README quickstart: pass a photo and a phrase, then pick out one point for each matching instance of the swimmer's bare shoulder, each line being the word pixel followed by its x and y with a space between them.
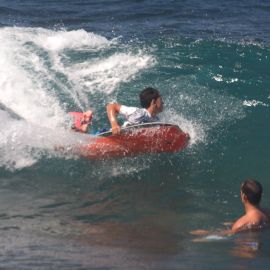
pixel 239 224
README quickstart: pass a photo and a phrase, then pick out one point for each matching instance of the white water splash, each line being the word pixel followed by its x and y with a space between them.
pixel 36 68
pixel 20 89
pixel 39 68
pixel 23 143
pixel 254 103
pixel 218 78
pixel 106 74
pixel 195 130
pixel 78 39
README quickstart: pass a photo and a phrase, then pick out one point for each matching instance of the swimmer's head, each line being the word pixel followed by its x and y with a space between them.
pixel 252 190
pixel 147 95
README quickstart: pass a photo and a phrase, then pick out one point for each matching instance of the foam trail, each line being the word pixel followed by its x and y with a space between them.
pixel 29 82
pixel 40 71
pixel 106 74
pixel 39 65
pixel 254 103
pixel 77 39
pixel 22 143
pixel 21 90
pixel 91 74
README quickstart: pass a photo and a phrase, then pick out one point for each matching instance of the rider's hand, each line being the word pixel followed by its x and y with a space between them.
pixel 116 129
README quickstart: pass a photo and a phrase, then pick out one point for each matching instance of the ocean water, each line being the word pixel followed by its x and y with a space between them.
pixel 210 60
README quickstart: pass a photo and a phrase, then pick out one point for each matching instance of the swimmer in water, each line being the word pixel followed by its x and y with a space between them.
pixel 255 217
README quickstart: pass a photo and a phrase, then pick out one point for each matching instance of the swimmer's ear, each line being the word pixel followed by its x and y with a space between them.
pixel 244 197
pixel 153 102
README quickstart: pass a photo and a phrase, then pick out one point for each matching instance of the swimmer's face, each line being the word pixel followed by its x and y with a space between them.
pixel 159 104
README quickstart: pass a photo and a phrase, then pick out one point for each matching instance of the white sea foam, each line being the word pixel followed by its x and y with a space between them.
pixel 218 78
pixel 232 80
pixel 22 89
pixel 35 67
pixel 23 143
pixel 80 40
pixel 37 71
pixel 106 74
pixel 254 103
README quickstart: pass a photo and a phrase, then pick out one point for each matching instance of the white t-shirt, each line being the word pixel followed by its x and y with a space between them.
pixel 134 115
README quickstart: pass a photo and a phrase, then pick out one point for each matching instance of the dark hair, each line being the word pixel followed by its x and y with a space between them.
pixel 253 190
pixel 147 95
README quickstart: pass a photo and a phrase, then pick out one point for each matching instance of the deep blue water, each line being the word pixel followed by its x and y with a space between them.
pixel 210 61
pixel 145 19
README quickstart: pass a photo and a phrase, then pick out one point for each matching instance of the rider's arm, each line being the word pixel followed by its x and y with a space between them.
pixel 112 110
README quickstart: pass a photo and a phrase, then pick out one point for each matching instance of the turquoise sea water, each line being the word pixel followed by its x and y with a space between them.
pixel 211 63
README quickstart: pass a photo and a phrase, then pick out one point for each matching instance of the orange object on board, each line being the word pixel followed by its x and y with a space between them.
pixel 80 119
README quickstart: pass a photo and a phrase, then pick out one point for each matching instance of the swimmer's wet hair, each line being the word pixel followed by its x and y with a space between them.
pixel 253 190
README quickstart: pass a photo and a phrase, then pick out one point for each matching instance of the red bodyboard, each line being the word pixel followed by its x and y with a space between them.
pixel 136 140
